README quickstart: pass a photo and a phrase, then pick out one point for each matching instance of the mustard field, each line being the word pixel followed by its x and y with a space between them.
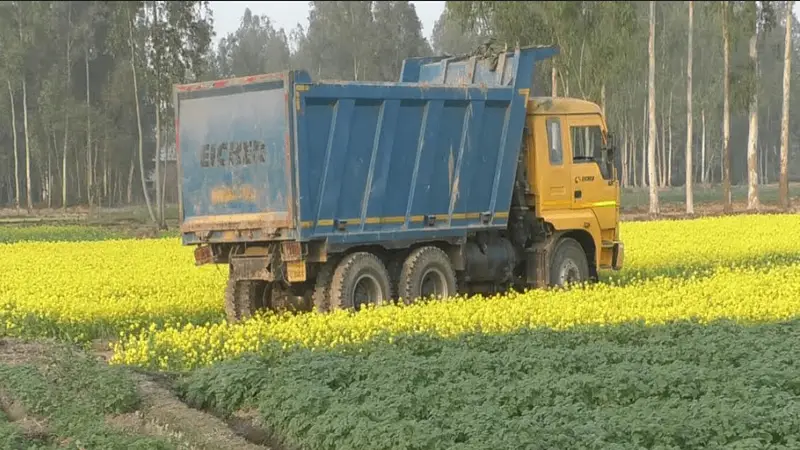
pixel 165 313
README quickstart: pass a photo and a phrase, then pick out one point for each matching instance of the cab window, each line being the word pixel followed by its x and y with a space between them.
pixel 555 149
pixel 587 147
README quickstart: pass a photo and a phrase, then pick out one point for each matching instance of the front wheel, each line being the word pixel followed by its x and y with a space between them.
pixel 569 264
pixel 359 279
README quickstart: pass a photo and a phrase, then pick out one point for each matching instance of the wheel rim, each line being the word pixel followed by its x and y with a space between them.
pixel 433 284
pixel 367 290
pixel 569 273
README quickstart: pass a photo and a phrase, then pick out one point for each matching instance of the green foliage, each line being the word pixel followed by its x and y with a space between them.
pixel 255 48
pixel 683 385
pixel 12 438
pixel 74 393
pixel 359 40
pixel 453 38
pixel 55 233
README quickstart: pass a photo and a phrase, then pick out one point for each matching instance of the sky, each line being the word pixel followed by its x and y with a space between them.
pixel 287 15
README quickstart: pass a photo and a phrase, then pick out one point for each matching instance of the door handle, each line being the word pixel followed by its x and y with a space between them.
pixel 578 194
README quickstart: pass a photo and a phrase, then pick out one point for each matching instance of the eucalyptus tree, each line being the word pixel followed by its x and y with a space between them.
pixel 787 74
pixel 689 118
pixel 651 110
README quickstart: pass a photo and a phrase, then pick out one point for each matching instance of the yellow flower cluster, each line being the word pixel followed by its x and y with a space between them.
pixel 744 268
pixel 168 313
pixel 748 294
pixel 86 290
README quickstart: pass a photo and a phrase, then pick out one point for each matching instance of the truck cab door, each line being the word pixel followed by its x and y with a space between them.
pixel 551 166
pixel 594 183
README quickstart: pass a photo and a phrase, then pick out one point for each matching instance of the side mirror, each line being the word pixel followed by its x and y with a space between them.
pixel 613 156
pixel 611 141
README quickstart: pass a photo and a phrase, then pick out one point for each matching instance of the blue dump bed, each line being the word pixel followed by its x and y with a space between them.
pixel 281 157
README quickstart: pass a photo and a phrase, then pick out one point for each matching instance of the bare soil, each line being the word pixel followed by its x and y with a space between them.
pixel 201 429
pixel 15 351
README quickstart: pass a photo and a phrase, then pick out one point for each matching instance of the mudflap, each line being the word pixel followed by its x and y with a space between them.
pixel 618 256
pixel 204 254
pixel 251 268
pixel 537 266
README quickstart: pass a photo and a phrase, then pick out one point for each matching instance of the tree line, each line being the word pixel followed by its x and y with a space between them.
pixel 695 92
pixel 89 83
pixel 88 96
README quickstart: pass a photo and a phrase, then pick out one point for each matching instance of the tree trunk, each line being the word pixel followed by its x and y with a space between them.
pixel 632 166
pixel 661 151
pixel 603 99
pixel 105 175
pixel 783 184
pixel 668 178
pixel 164 191
pixel 78 177
pixel 89 179
pixel 726 115
pixel 129 193
pixel 49 182
pixel 689 168
pixel 645 144
pixel 651 96
pixel 16 145
pixel 553 81
pixel 139 119
pixel 66 114
pixel 28 197
pixel 752 136
pixel 624 156
pixel 157 158
pixel 105 169
pixel 703 170
pixel 159 198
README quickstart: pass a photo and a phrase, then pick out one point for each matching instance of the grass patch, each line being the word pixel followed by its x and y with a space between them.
pixel 55 233
pixel 682 385
pixel 74 394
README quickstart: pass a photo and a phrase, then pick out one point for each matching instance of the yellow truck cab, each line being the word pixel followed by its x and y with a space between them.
pixel 574 186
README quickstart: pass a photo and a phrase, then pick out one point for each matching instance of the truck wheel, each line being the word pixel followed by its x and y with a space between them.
pixel 569 264
pixel 321 296
pixel 244 297
pixel 427 272
pixel 360 278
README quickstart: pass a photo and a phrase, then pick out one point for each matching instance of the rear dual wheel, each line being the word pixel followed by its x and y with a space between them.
pixel 244 297
pixel 426 273
pixel 359 279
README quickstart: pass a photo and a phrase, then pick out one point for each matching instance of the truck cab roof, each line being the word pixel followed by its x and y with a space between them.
pixel 561 105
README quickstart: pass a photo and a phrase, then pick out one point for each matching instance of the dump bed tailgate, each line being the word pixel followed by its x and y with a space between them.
pixel 234 147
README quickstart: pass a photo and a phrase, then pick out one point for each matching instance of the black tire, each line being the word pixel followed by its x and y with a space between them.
pixel 244 297
pixel 354 269
pixel 321 297
pixel 569 264
pixel 427 272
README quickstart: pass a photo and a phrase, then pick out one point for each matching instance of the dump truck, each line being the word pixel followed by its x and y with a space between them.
pixel 334 195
